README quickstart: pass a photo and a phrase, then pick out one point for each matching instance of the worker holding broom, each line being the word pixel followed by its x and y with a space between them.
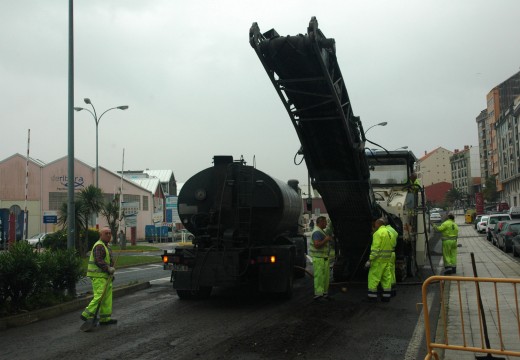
pixel 101 270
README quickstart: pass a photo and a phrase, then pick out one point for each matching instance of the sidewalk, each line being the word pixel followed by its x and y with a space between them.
pixel 490 262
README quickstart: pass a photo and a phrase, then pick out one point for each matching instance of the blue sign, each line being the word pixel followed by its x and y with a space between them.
pixel 50 219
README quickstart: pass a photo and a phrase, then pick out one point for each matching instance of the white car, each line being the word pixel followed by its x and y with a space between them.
pixel 482 224
pixel 435 217
pixel 183 234
pixel 37 240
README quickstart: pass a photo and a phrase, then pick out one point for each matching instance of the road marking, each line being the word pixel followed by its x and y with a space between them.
pixel 419 333
pixel 134 269
pixel 161 280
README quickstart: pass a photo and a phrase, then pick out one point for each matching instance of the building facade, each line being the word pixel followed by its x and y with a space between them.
pixel 499 100
pixel 465 171
pixel 434 167
pixel 508 145
pixel 47 186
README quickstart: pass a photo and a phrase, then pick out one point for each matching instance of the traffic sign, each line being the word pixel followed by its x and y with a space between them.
pixel 50 217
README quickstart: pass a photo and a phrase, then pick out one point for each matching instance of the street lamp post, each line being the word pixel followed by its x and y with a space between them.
pixel 97 119
pixel 384 123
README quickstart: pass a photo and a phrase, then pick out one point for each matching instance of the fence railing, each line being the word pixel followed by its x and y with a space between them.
pixel 464 325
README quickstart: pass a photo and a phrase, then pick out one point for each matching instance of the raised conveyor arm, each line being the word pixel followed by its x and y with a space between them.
pixel 305 73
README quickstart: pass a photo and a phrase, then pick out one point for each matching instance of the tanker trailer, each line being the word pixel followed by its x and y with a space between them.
pixel 246 231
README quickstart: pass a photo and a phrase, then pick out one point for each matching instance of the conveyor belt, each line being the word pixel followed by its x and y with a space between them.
pixel 305 73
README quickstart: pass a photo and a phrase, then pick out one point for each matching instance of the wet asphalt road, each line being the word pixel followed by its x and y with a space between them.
pixel 232 324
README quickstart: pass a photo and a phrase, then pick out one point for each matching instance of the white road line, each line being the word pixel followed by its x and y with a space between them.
pixel 134 269
pixel 160 280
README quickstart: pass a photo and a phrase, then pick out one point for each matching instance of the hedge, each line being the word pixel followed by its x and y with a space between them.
pixel 31 280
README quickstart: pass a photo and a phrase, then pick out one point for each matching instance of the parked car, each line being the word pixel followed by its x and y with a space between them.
pixel 477 220
pixel 516 245
pixel 505 237
pixel 435 217
pixel 493 219
pixel 482 224
pixel 37 240
pixel 183 234
pixel 495 232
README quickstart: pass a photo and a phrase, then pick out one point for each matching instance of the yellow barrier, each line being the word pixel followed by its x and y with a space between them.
pixel 463 312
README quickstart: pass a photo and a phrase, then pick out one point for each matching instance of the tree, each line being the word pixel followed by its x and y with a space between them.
pixel 453 196
pixel 89 201
pixel 80 220
pixel 490 189
pixel 110 212
pixel 92 199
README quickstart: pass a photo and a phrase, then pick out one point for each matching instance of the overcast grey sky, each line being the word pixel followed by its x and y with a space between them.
pixel 196 88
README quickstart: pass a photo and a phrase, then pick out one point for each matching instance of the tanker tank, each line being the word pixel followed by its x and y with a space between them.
pixel 232 200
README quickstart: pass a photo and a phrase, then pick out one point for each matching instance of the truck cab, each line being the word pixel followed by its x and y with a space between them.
pixel 402 202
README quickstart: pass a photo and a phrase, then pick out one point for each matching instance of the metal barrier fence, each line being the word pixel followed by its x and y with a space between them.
pixel 463 326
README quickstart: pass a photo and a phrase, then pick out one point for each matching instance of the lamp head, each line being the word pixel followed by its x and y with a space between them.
pixel 123 107
pixel 87 100
pixel 384 123
pixel 78 108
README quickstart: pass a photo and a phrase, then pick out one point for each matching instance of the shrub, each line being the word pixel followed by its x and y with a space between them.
pixel 56 240
pixel 93 236
pixel 69 271
pixel 30 280
pixel 20 274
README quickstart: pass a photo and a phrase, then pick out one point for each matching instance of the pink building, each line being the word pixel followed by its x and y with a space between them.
pixel 47 191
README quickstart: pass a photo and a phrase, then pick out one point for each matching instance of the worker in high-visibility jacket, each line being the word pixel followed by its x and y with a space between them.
pixel 450 232
pixel 319 250
pixel 393 237
pixel 100 270
pixel 380 262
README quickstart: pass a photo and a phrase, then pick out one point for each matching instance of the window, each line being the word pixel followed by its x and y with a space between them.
pixel 145 203
pixel 56 199
pixel 131 198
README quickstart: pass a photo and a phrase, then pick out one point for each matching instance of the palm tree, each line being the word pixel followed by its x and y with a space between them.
pixel 92 199
pixel 80 220
pixel 110 212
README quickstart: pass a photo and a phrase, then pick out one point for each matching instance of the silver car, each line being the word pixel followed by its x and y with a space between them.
pixel 37 240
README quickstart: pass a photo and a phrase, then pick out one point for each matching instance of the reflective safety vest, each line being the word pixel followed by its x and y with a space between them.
pixel 449 230
pixel 322 252
pixel 382 245
pixel 393 235
pixel 92 269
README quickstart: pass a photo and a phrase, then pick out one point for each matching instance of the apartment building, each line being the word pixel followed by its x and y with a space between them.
pixel 465 170
pixel 499 100
pixel 434 167
pixel 508 153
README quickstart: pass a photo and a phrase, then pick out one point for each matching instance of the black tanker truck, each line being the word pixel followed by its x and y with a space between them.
pixel 246 227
